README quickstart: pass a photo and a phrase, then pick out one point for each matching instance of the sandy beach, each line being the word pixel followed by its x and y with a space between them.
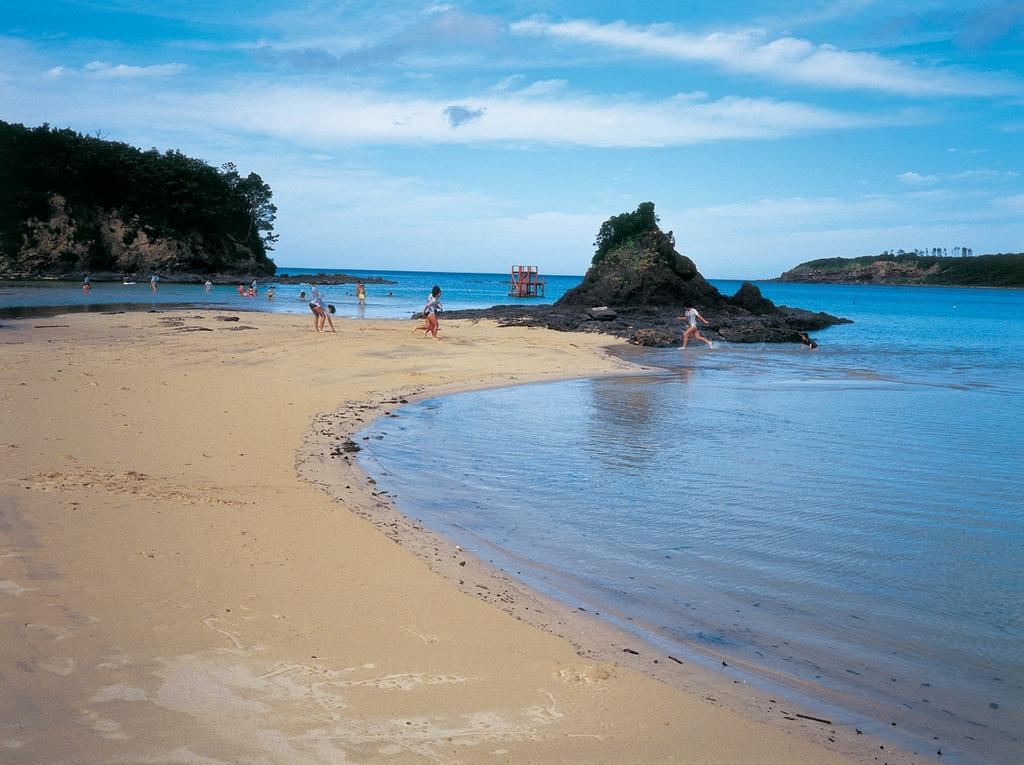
pixel 192 569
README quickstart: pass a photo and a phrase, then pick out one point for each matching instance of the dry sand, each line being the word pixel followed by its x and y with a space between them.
pixel 176 586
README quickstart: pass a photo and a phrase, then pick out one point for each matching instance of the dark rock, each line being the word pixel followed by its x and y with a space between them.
pixel 642 284
pixel 749 297
pixel 654 337
pixel 322 278
pixel 601 313
pixel 646 271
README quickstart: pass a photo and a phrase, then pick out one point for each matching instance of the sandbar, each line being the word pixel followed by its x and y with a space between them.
pixel 193 569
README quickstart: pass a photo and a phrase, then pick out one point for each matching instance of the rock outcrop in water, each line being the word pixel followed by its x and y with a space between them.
pixel 645 284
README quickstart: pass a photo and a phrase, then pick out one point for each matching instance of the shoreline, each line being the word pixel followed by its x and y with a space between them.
pixel 165 568
pixel 757 692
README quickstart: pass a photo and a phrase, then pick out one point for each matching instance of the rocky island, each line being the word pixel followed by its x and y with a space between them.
pixel 1000 270
pixel 637 286
pixel 336 278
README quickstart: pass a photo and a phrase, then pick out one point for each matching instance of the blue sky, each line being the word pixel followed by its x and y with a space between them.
pixel 475 135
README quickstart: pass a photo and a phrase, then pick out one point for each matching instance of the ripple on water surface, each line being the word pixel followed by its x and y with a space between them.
pixel 851 518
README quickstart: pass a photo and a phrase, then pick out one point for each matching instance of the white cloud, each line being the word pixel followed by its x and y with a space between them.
pixel 105 69
pixel 325 116
pixel 983 174
pixel 916 179
pixel 786 59
pixel 979 174
pixel 544 88
pixel 1013 203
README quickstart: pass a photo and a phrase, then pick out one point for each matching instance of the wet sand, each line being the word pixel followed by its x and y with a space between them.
pixel 192 569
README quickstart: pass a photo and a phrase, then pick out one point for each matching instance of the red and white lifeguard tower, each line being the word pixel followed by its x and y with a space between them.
pixel 526 282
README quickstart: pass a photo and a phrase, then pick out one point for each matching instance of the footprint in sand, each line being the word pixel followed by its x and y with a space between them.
pixel 110 729
pixel 7 587
pixel 58 665
pixel 592 677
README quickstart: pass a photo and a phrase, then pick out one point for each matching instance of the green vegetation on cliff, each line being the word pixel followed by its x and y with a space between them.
pixel 1002 270
pixel 71 203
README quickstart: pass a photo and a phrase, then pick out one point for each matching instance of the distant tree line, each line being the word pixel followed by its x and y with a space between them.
pixel 89 204
pixel 935 252
pixel 995 270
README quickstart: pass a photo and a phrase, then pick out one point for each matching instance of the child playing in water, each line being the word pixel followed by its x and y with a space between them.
pixel 430 312
pixel 691 317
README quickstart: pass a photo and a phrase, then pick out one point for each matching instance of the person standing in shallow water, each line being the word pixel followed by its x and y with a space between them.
pixel 691 316
pixel 430 312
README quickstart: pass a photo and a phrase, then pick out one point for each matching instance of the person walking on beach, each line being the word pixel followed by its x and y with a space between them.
pixel 430 312
pixel 152 282
pixel 691 316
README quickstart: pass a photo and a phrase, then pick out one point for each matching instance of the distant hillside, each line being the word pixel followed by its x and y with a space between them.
pixel 975 271
pixel 73 204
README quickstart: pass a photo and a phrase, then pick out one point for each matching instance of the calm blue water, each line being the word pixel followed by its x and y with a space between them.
pixel 398 300
pixel 851 518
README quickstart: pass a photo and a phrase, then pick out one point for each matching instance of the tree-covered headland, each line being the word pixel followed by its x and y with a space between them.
pixel 73 204
pixel 916 267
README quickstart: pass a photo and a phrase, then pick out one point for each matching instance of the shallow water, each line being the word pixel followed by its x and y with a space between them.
pixel 403 297
pixel 851 518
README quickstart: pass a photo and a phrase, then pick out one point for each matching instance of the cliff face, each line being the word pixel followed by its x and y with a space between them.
pixel 70 243
pixel 871 272
pixel 73 204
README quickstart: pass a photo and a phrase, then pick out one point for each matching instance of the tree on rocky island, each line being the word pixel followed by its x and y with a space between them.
pixel 621 229
pixel 636 265
pixel 637 287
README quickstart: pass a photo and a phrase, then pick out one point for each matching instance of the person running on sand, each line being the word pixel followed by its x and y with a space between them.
pixel 430 312
pixel 692 317
pixel 807 342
